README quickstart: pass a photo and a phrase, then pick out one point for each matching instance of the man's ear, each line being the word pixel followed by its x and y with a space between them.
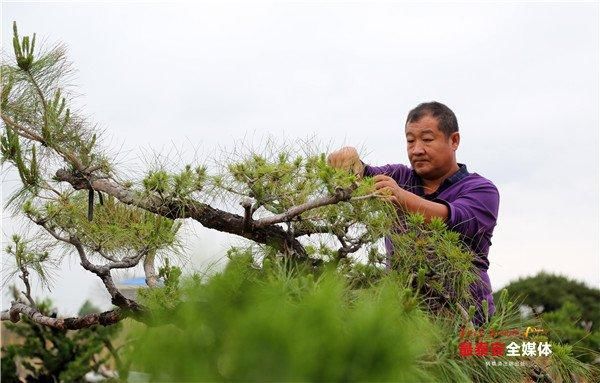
pixel 455 140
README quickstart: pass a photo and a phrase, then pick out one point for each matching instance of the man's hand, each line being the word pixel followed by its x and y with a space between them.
pixel 346 158
pixel 388 189
pixel 407 201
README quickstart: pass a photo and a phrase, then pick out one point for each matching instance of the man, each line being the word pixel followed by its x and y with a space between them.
pixel 437 186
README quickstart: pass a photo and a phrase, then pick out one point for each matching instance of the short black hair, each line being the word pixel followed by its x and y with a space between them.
pixel 447 122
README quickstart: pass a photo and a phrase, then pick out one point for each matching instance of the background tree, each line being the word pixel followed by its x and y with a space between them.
pixel 297 301
pixel 546 292
pixel 569 309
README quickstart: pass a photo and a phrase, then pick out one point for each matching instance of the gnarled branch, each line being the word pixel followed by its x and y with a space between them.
pixel 72 323
pixel 25 277
pixel 102 271
pixel 207 215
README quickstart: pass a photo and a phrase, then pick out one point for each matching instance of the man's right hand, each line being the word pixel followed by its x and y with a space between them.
pixel 346 158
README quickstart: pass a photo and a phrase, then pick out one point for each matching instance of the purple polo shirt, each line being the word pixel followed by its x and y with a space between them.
pixel 472 202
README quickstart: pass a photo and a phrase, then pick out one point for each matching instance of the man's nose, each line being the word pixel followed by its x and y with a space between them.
pixel 417 149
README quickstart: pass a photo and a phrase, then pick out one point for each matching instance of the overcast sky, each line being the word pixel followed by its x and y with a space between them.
pixel 189 80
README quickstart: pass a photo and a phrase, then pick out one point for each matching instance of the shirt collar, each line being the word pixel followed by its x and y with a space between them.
pixel 458 175
pixel 461 173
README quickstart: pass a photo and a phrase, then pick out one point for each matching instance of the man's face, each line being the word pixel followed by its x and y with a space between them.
pixel 430 152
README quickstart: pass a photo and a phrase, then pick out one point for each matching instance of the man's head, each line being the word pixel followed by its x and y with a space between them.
pixel 432 139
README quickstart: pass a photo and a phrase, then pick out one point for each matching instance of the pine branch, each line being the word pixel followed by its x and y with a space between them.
pixel 25 277
pixel 67 156
pixel 349 248
pixel 99 250
pixel 149 271
pixel 172 208
pixel 129 262
pixel 38 90
pixel 315 229
pixel 248 211
pixel 102 271
pixel 339 196
pixel 72 323
pixel 21 130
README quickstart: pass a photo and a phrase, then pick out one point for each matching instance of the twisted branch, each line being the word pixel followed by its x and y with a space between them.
pixel 102 271
pixel 72 323
pixel 172 208
pixel 25 277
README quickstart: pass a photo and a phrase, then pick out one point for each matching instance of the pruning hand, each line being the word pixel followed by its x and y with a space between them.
pixel 346 158
pixel 388 189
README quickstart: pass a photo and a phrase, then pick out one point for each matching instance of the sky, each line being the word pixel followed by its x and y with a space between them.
pixel 188 81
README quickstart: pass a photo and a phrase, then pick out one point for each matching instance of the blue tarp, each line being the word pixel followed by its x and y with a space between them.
pixel 140 281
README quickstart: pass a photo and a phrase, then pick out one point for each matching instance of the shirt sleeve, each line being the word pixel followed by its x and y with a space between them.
pixel 474 211
pixel 398 172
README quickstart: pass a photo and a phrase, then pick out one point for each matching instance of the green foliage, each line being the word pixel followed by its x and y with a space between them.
pixel 23 50
pixel 276 323
pixel 11 147
pixel 116 227
pixel 448 366
pixel 441 267
pixel 28 258
pixel 169 296
pixel 34 103
pixel 363 275
pixel 179 186
pixel 6 88
pixel 284 179
pixel 170 274
pixel 13 152
pixel 264 319
pixel 252 324
pixel 51 355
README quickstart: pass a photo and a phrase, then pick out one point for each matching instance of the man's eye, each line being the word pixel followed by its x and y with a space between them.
pixel 428 139
pixel 410 141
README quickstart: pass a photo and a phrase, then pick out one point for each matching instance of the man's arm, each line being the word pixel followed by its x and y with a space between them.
pixel 347 158
pixel 475 211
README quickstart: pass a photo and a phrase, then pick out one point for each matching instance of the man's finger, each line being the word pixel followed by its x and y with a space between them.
pixel 381 177
pixel 384 190
pixel 384 184
pixel 388 198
